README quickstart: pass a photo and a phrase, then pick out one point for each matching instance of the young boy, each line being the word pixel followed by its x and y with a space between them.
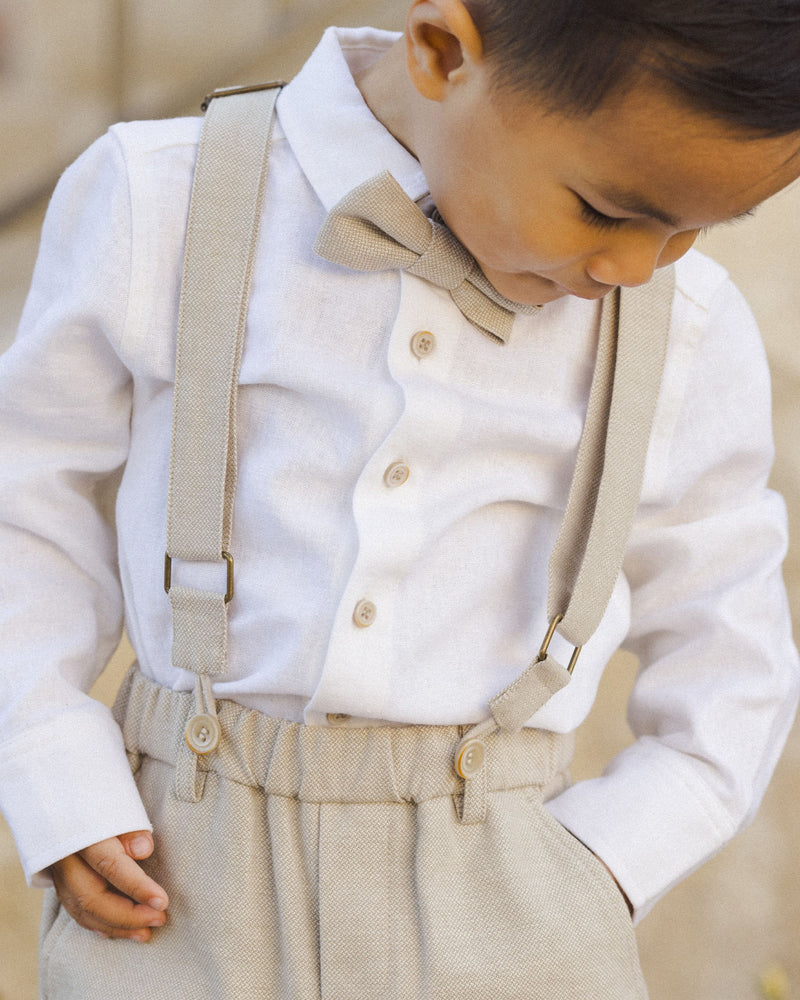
pixel 402 478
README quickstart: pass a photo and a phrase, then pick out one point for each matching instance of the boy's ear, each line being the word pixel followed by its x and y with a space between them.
pixel 442 43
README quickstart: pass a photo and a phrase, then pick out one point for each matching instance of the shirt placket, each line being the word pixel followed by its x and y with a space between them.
pixel 389 509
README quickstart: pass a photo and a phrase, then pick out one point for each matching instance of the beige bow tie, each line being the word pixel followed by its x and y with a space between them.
pixel 378 227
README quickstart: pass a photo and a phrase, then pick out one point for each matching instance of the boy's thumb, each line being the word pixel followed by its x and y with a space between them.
pixel 138 845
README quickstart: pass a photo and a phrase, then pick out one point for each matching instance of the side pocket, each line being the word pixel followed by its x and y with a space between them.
pixel 516 907
pixel 593 912
pixel 586 860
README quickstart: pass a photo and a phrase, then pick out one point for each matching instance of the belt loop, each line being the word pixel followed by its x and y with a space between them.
pixel 473 801
pixel 190 779
pixel 471 764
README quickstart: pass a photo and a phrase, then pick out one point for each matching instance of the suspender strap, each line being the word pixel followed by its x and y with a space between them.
pixel 221 242
pixel 603 498
pixel 610 468
pixel 605 489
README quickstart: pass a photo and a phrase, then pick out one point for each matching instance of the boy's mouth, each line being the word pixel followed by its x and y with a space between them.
pixel 593 290
pixel 596 292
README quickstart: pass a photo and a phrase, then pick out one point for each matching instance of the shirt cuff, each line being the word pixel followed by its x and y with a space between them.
pixel 67 784
pixel 650 818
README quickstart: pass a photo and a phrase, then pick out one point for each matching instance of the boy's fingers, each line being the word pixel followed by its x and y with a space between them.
pixel 109 860
pixel 90 901
pixel 138 845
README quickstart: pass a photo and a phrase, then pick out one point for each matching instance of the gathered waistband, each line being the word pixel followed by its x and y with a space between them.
pixel 330 764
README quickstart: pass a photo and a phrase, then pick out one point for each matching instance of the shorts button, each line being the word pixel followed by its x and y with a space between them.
pixel 396 474
pixel 364 613
pixel 471 758
pixel 337 718
pixel 423 343
pixel 202 733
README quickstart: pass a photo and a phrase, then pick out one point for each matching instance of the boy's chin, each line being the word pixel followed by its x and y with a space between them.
pixel 556 291
pixel 536 289
pixel 526 289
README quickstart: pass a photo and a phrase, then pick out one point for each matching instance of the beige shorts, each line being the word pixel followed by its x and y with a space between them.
pixel 311 863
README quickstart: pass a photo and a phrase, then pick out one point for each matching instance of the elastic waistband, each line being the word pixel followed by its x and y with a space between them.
pixel 327 764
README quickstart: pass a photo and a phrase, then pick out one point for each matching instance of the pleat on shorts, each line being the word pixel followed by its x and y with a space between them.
pixel 331 864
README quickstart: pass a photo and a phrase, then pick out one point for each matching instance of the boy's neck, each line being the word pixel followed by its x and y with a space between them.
pixel 392 98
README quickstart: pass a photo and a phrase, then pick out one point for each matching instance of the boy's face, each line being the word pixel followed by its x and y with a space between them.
pixel 553 205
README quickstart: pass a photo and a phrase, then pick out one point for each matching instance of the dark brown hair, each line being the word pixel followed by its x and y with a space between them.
pixel 737 60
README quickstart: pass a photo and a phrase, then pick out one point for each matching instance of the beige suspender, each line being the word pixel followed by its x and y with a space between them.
pixel 605 492
pixel 221 243
pixel 606 486
pixel 220 252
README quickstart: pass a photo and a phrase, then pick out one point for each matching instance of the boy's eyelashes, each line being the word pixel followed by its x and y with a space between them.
pixel 741 217
pixel 596 218
pixel 600 220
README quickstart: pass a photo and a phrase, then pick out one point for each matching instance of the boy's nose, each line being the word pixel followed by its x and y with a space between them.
pixel 626 264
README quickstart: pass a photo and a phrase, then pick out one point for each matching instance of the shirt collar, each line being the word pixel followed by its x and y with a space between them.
pixel 336 139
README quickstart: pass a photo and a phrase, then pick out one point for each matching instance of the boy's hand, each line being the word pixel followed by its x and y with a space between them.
pixel 105 890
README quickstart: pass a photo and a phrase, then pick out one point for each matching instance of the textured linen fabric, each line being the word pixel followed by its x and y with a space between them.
pixel 377 227
pixel 222 232
pixel 324 862
pixel 454 560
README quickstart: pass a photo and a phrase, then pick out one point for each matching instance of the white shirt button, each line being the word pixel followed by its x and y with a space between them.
pixel 396 474
pixel 364 613
pixel 423 343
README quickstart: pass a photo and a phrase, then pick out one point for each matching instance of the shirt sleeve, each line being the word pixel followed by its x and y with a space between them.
pixel 65 406
pixel 717 688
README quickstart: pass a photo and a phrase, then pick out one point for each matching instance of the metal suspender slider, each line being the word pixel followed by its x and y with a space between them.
pixel 225 555
pixel 551 631
pixel 249 89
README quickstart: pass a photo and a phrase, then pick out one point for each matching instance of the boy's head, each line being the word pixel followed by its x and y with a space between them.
pixel 735 60
pixel 572 147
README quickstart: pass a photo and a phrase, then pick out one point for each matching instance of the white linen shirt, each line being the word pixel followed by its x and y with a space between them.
pixel 453 556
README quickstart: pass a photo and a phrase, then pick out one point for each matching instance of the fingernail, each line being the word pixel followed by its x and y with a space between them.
pixel 103 935
pixel 139 846
pixel 157 904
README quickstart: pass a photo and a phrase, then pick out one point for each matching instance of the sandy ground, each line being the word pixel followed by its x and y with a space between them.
pixel 731 931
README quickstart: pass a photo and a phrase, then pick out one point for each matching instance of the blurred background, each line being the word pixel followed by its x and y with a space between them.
pixel 70 69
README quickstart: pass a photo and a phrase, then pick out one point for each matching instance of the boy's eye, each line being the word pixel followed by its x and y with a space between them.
pixel 591 215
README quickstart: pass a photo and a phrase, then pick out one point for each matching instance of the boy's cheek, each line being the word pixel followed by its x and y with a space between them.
pixel 677 247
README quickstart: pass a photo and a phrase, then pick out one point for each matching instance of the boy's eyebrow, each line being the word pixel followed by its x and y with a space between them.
pixel 635 203
pixel 632 201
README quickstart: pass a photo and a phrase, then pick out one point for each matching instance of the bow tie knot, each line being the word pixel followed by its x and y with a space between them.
pixel 444 261
pixel 378 227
